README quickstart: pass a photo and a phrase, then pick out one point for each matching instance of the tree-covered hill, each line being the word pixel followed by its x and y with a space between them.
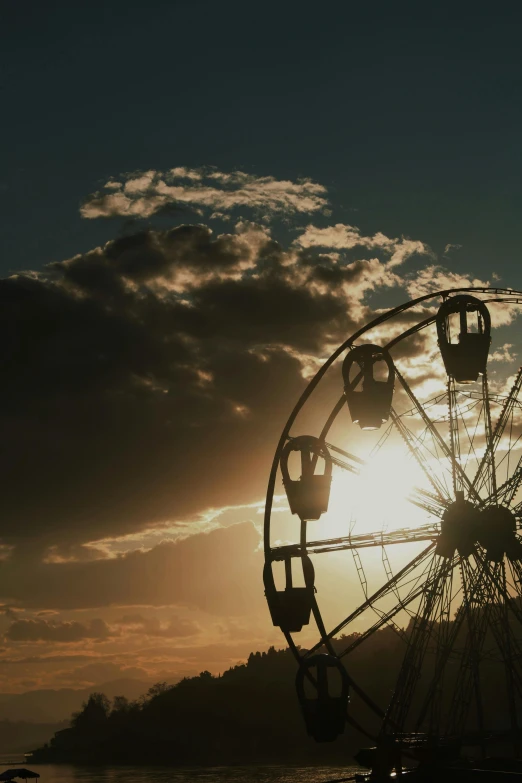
pixel 249 713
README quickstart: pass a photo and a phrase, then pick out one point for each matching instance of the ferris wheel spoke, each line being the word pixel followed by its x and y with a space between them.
pixel 409 440
pixel 472 454
pixel 459 475
pixel 486 474
pixel 364 585
pixel 446 633
pixel 492 442
pixel 516 573
pixel 468 680
pixel 501 605
pixel 419 638
pixel 468 683
pixel 510 487
pixel 354 464
pixel 389 575
pixel 506 642
pixel 361 541
pixel 427 501
pixel 387 618
pixel 326 640
pixel 460 478
pixel 498 586
pixel 454 436
pixel 379 594
pixel 346 454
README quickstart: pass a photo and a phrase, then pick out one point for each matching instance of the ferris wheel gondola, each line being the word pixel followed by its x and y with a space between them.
pixel 463 584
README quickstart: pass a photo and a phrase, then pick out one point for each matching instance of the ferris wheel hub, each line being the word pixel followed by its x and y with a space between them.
pixel 497 533
pixel 458 528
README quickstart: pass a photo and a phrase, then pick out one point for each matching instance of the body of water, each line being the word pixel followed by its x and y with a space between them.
pixel 51 773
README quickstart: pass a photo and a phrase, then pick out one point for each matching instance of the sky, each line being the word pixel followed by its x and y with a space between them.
pixel 199 202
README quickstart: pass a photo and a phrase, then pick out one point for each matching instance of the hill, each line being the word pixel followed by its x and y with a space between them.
pixel 248 714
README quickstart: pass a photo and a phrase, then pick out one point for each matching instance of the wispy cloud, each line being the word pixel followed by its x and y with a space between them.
pixel 143 194
pixel 345 237
pixel 450 247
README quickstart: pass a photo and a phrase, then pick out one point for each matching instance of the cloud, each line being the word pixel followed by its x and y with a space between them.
pixel 61 632
pixel 46 659
pixel 345 237
pixel 218 573
pixel 142 378
pixel 437 278
pixel 147 381
pixel 143 194
pixel 151 626
pixel 450 247
pixel 503 354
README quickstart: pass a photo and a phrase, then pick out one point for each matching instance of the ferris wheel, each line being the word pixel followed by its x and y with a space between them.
pixel 454 600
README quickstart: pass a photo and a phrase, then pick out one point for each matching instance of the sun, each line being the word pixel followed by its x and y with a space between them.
pixel 377 498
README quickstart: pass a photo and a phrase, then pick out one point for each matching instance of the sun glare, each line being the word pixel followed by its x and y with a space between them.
pixel 376 499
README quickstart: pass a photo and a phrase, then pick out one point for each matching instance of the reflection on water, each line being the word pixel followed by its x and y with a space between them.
pixel 51 773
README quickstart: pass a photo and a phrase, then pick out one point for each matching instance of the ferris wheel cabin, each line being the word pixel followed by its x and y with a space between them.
pixel 464 335
pixel 308 496
pixel 369 390
pixel 290 608
pixel 324 713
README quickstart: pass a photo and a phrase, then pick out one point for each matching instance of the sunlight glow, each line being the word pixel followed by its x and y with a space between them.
pixel 377 498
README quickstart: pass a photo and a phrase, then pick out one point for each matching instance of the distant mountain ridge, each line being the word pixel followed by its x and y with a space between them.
pixel 52 705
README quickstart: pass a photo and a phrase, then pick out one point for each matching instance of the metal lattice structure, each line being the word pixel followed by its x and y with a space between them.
pixel 461 591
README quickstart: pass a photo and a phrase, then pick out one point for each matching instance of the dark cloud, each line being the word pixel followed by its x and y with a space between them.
pixel 146 255
pixel 147 380
pixel 41 630
pixel 11 613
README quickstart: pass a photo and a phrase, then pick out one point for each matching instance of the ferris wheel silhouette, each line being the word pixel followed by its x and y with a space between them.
pixel 461 593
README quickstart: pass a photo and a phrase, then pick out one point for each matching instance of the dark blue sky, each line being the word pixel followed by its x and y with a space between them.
pixel 411 118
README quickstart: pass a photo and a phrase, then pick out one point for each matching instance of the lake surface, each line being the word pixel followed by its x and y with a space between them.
pixel 51 773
